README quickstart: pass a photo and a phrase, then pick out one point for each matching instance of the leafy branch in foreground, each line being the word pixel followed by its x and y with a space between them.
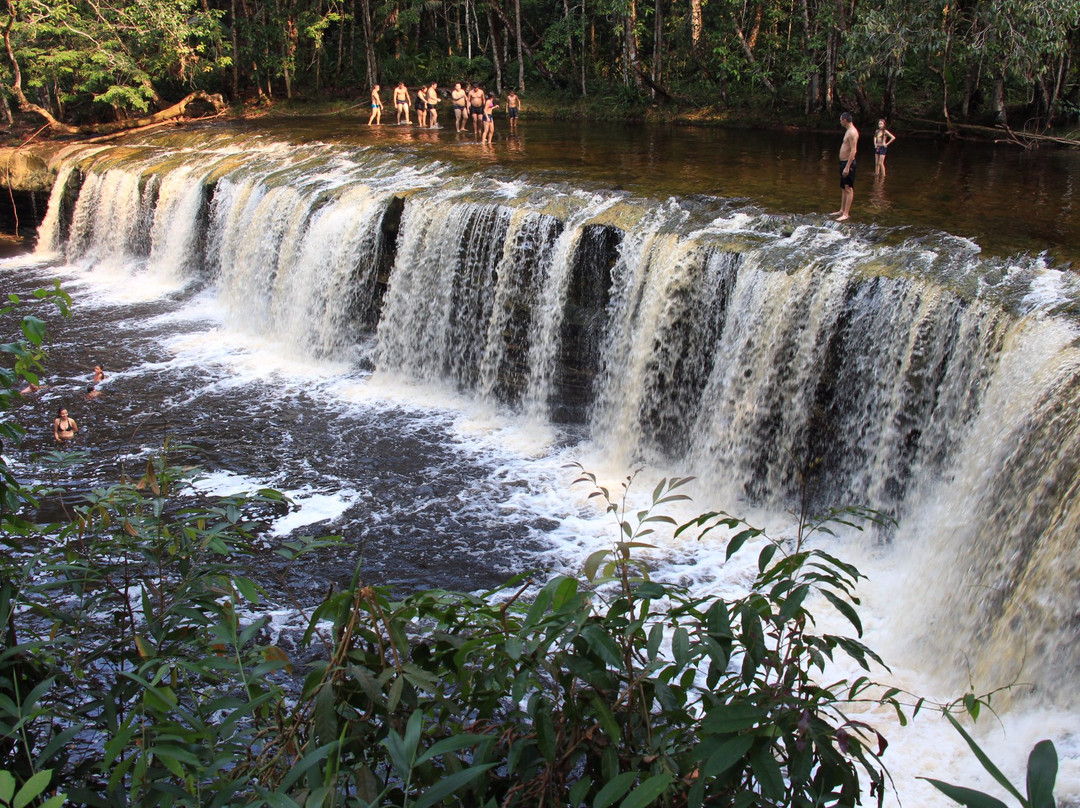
pixel 1042 769
pixel 139 669
pixel 606 689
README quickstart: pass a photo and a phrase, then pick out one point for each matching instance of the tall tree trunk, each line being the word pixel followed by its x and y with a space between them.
pixel 1000 115
pixel 696 26
pixel 476 27
pixel 658 44
pixel 235 36
pixel 749 53
pixel 830 72
pixel 520 54
pixel 584 37
pixel 468 31
pixel 369 43
pixel 459 46
pixel 495 57
pixel 890 93
pixel 631 58
pixel 569 38
pixel 813 87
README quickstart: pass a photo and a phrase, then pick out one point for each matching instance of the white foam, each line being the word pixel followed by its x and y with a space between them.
pixel 313 508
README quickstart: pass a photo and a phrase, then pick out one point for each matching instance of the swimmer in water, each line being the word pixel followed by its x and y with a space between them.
pixel 64 428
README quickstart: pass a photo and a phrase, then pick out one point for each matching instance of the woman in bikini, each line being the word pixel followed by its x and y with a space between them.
pixel 882 139
pixel 421 106
pixel 64 428
pixel 489 119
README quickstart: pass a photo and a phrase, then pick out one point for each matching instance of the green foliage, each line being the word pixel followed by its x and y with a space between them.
pixel 115 55
pixel 23 355
pixel 30 793
pixel 135 674
pixel 1042 771
pixel 137 670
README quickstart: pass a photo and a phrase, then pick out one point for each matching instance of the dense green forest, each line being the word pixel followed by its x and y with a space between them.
pixel 1008 62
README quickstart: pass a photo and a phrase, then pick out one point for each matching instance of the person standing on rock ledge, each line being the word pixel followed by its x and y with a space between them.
pixel 848 149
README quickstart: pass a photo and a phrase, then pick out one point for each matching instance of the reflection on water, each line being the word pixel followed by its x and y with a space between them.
pixel 1007 200
pixel 879 198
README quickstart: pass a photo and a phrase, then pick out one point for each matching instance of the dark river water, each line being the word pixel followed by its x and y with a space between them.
pixel 381 322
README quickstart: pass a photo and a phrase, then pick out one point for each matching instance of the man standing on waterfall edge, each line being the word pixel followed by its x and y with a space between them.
pixel 847 167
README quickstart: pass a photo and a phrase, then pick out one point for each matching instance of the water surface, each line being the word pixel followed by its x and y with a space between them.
pixel 1006 199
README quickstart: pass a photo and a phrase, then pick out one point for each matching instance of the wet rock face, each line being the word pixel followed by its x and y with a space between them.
pixel 27 179
pixel 25 170
pixel 22 211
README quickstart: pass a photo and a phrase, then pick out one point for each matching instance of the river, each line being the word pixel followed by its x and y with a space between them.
pixel 413 335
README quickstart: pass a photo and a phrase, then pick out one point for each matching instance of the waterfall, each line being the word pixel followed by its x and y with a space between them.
pixel 51 236
pixel 770 357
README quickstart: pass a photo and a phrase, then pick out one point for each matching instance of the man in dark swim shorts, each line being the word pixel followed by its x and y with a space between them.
pixel 477 97
pixel 847 175
pixel 848 149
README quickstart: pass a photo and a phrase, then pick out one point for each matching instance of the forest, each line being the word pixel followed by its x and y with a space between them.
pixel 992 62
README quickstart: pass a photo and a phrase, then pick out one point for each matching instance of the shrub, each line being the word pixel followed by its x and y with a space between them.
pixel 137 671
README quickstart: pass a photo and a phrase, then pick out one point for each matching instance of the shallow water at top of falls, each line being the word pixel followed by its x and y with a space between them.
pixel 1003 198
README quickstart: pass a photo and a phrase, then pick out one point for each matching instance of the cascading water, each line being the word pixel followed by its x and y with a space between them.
pixel 768 359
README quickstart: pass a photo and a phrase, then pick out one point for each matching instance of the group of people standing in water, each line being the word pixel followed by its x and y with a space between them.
pixel 470 102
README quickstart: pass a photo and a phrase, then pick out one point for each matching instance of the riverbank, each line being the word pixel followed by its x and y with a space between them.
pixel 546 104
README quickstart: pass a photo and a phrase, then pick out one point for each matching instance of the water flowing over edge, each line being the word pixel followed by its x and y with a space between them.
pixel 764 358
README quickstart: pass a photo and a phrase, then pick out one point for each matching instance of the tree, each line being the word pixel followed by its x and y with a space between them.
pixel 107 56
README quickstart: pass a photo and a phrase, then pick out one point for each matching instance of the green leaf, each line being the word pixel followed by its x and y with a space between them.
pixel 34 330
pixel 767 771
pixel 966 796
pixel 545 730
pixel 302 767
pixel 448 785
pixel 564 593
pixel 451 744
pixel 247 588
pixel 7 787
pixel 766 556
pixel 614 789
pixel 647 792
pixel 987 764
pixel 730 752
pixel 794 601
pixel 413 730
pixel 579 790
pixel 513 648
pixel 32 788
pixel 394 697
pixel 738 540
pixel 601 643
pixel 732 717
pixel 656 637
pixel 680 646
pixel 1042 774
pixel 845 609
pixel 606 719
